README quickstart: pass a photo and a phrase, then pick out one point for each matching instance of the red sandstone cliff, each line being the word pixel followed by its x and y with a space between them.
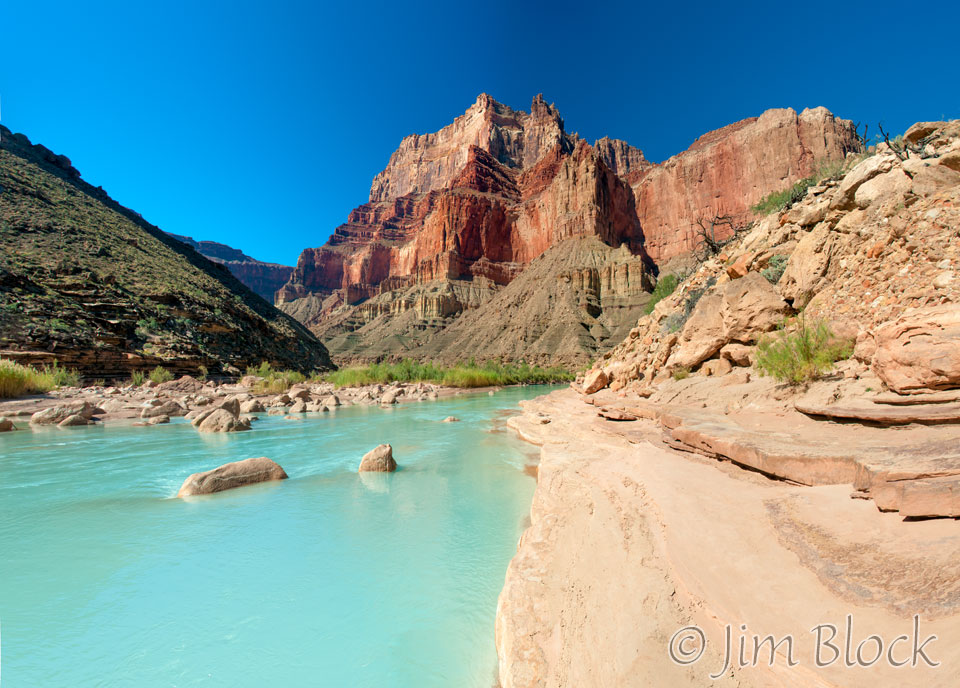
pixel 728 170
pixel 472 205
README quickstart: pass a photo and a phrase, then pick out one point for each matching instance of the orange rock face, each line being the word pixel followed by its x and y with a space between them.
pixel 727 171
pixel 488 194
pixel 480 198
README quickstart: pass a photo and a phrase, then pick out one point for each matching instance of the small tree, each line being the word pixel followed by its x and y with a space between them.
pixel 708 233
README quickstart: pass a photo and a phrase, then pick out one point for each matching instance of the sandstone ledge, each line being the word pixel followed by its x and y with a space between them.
pixel 630 541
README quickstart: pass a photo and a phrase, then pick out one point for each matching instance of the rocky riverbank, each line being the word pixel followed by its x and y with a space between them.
pixel 152 404
pixel 632 540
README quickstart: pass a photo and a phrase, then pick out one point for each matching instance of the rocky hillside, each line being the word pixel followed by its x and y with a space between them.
pixel 91 284
pixel 859 251
pixel 430 267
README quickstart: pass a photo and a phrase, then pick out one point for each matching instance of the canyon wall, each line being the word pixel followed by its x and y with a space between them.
pixel 727 171
pixel 458 215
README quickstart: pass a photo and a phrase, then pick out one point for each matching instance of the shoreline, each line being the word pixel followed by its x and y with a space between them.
pixel 631 540
pixel 115 405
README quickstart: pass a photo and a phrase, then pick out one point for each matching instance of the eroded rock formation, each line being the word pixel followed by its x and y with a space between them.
pixel 430 264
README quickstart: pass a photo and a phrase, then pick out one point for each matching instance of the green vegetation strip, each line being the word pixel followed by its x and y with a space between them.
pixel 17 380
pixel 469 374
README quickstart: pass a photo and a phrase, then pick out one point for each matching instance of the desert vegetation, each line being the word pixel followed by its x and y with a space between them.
pixel 470 374
pixel 801 351
pixel 781 200
pixel 17 380
pixel 666 285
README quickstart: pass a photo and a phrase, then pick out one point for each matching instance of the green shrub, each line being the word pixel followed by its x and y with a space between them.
pixel 802 355
pixel 203 372
pixel 274 381
pixel 781 200
pixel 775 267
pixel 666 285
pixel 17 380
pixel 470 374
pixel 160 375
pixel 681 373
pixel 137 378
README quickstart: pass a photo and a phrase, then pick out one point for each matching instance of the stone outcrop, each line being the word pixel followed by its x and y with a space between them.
pixel 379 459
pixel 455 218
pixel 727 171
pixel 920 350
pixel 232 475
pixel 458 216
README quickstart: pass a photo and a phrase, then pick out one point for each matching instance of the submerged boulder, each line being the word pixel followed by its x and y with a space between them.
pixel 6 425
pixel 168 408
pixel 221 420
pixel 231 475
pixel 379 459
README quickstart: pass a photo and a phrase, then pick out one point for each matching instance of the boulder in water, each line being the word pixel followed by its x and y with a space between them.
pixel 379 459
pixel 231 475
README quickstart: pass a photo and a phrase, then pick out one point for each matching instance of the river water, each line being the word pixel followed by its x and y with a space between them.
pixel 330 578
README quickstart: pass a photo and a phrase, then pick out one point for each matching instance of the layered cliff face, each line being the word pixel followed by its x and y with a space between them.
pixel 727 171
pixel 263 278
pixel 454 218
pixel 458 215
pixel 90 284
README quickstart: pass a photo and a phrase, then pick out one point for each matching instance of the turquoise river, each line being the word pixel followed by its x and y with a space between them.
pixel 330 578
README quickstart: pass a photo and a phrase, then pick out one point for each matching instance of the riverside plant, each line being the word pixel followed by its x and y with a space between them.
pixel 470 374
pixel 803 354
pixel 17 380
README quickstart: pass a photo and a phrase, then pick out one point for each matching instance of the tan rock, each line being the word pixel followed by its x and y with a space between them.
pixel 73 420
pixel 158 420
pixel 221 420
pixel 252 406
pixel 595 381
pixel 167 408
pixel 332 401
pixel 808 265
pixel 379 459
pixel 232 475
pixel 717 367
pixel 738 354
pixel 750 306
pixel 57 414
pixel 6 425
pixel 885 185
pixel 298 406
pixel 920 350
pixel 450 419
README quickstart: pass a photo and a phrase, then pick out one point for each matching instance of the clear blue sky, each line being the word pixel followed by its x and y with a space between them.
pixel 261 124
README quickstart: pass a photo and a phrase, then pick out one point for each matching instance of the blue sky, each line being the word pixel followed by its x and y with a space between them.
pixel 261 125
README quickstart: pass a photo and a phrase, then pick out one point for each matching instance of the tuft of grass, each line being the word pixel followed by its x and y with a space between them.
pixel 681 373
pixel 160 375
pixel 781 200
pixel 802 355
pixel 666 285
pixel 775 268
pixel 137 378
pixel 203 372
pixel 470 374
pixel 18 380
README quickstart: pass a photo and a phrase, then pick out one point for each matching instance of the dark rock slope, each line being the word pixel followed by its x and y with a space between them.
pixel 91 284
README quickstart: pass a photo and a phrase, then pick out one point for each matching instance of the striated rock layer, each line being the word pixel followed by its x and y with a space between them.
pixel 459 214
pixel 263 278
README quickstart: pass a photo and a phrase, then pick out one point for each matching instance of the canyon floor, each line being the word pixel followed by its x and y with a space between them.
pixel 631 541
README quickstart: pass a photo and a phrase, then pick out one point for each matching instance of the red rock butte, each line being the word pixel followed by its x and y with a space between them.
pixel 458 214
